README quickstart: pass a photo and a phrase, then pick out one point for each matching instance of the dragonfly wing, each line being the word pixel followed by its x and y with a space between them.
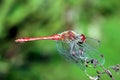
pixel 64 50
pixel 67 50
pixel 93 53
pixel 77 52
pixel 93 42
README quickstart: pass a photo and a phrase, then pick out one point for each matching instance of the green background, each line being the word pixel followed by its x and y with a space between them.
pixel 39 60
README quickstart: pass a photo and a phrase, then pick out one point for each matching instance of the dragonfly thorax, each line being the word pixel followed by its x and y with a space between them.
pixel 68 36
pixel 72 36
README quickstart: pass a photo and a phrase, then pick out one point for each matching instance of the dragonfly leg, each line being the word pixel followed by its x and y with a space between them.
pixel 81 52
pixel 75 55
pixel 72 57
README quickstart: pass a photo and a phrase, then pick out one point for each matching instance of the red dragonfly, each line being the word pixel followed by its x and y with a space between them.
pixel 75 48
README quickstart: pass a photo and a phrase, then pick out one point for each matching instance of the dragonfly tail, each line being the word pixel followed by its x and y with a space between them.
pixel 53 37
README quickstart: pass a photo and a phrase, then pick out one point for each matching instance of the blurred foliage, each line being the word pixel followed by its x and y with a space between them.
pixel 40 60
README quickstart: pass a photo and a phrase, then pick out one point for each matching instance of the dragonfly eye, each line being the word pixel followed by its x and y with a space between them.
pixel 83 38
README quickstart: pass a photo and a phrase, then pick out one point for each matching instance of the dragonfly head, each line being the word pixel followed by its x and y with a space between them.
pixel 83 38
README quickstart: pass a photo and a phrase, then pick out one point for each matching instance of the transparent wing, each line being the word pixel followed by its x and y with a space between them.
pixel 93 42
pixel 63 48
pixel 93 53
pixel 70 51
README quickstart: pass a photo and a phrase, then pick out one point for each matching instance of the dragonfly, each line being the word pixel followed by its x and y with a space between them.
pixel 76 48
